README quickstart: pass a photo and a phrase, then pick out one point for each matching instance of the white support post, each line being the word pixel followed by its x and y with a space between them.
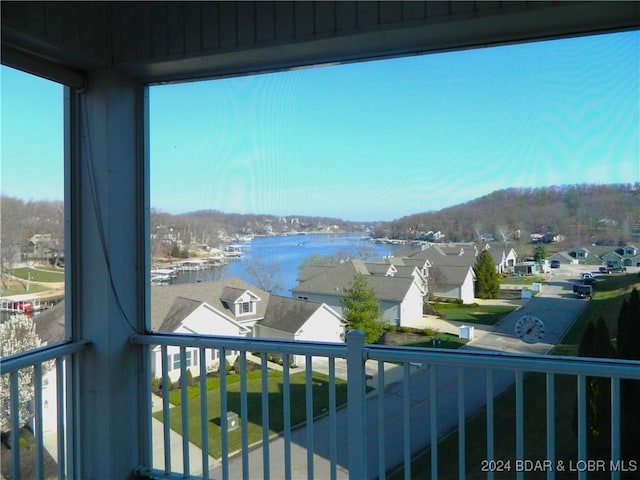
pixel 106 185
pixel 356 405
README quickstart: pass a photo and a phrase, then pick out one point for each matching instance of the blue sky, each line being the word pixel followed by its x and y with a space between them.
pixel 368 141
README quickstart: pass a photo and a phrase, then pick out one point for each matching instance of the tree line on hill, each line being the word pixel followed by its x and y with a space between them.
pixel 595 213
pixel 602 214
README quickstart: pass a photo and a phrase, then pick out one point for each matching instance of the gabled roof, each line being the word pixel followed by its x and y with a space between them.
pixel 50 324
pixel 453 274
pixel 181 309
pixel 231 295
pixel 339 278
pixel 163 298
pixel 289 314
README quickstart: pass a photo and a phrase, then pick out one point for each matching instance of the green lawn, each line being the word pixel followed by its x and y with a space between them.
pixel 480 314
pixel 606 302
pixel 254 403
pixel 47 276
pixel 526 280
pixel 20 289
pixel 445 340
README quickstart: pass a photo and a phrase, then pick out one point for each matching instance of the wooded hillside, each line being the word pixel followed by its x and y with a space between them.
pixel 603 214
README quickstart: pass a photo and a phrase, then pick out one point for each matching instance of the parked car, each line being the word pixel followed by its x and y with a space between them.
pixel 617 269
pixel 583 291
pixel 584 275
pixel 604 270
pixel 589 281
pixel 555 263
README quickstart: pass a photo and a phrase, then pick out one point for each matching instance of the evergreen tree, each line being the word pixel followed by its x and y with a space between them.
pixel 361 311
pixel 628 340
pixel 487 278
pixel 539 254
pixel 596 342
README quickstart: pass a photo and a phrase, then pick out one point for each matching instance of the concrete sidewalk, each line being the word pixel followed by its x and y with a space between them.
pixel 175 446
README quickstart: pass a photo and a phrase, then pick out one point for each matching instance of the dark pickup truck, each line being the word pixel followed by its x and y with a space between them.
pixel 583 291
pixel 612 269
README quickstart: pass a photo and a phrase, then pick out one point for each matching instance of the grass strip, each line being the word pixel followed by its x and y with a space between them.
pixel 254 402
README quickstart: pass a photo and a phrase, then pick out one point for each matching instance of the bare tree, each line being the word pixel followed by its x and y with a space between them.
pixel 267 275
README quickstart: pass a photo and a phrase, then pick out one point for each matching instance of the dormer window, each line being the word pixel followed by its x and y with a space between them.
pixel 247 307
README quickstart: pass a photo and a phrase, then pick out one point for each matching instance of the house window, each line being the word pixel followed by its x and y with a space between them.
pixel 176 360
pixel 246 307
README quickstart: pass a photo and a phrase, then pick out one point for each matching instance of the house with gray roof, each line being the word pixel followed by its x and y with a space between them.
pixel 233 308
pixel 399 290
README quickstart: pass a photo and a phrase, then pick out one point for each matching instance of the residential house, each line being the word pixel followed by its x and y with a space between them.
pixel 453 282
pixel 400 291
pixel 234 308
pixel 625 256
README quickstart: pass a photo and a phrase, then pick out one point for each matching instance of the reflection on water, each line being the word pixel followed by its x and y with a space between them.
pixel 288 253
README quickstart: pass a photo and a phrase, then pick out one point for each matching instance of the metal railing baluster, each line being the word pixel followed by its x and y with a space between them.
pixel 461 426
pixel 519 422
pixel 204 416
pixel 333 427
pixel 184 413
pixel 490 423
pixel 433 420
pixel 406 419
pixel 551 424
pixel 265 416
pixel 286 406
pixel 309 413
pixel 166 424
pixel 381 422
pixel 224 436
pixel 244 415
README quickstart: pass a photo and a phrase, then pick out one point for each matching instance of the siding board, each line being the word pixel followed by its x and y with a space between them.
pixel 304 22
pixel 325 17
pixel 54 22
pixel 86 28
pixel 144 43
pixel 193 25
pixel 14 13
pixel 246 13
pixel 228 24
pixel 176 28
pixel 413 10
pixel 71 25
pixel 368 13
pixel 284 20
pixel 462 7
pixel 390 12
pixel 34 16
pixel 265 22
pixel 346 15
pixel 128 36
pixel 210 28
pixel 437 9
pixel 488 5
pixel 159 33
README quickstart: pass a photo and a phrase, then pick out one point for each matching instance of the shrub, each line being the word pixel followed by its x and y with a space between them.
pixel 429 332
pixel 405 329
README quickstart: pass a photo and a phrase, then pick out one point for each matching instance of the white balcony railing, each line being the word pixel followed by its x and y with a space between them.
pixel 398 402
pixel 42 380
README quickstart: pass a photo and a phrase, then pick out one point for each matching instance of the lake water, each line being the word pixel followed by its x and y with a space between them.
pixel 288 252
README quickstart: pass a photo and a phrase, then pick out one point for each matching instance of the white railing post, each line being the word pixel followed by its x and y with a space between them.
pixel 356 405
